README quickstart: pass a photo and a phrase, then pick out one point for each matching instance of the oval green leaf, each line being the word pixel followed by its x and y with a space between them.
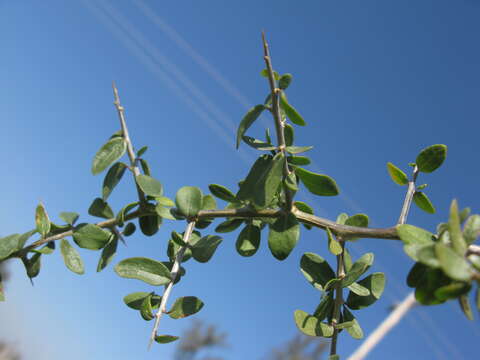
pixel 248 120
pixel 110 152
pixel 291 112
pixel 189 200
pixel 90 236
pixel 316 270
pixel 397 175
pixel 42 221
pixel 423 202
pixel 150 271
pixel 283 236
pixel 149 185
pixel 113 177
pixel 311 326
pixel 71 257
pixel 317 184
pixel 431 158
pixel 221 192
pixel 248 240
pixel 185 306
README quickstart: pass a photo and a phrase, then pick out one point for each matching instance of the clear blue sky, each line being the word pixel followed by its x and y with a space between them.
pixel 376 81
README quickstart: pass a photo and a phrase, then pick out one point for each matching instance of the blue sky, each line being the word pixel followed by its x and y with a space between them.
pixel 376 81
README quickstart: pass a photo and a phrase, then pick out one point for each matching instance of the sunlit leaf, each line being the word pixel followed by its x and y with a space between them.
pixel 90 236
pixel 69 217
pixel 358 268
pixel 42 221
pixel 71 257
pixel 285 81
pixel 135 300
pixel 355 331
pixel 471 230
pixel 375 284
pixel 149 185
pixel 108 154
pixel 316 270
pixel 311 326
pixel 150 271
pixel 453 264
pixel 189 200
pixel 465 306
pixel 165 339
pixel 397 175
pixel 291 112
pixel 333 245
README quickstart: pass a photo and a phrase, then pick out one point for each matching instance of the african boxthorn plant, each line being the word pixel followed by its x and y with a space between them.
pixel 447 264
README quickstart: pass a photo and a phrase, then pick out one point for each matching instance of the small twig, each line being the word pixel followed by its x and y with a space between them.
pixel 408 197
pixel 168 289
pixel 119 234
pixel 375 337
pixel 338 297
pixel 275 110
pixel 126 136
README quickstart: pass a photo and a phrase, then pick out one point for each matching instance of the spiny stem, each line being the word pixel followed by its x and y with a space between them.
pixel 408 197
pixel 279 126
pixel 338 297
pixel 168 289
pixel 126 136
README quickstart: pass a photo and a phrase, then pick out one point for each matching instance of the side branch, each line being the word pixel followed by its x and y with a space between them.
pixel 126 136
pixel 408 197
pixel 175 269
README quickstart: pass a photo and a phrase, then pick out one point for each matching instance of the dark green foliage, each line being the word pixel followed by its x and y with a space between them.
pixel 317 184
pixel 431 158
pixel 283 236
pixel 113 177
pixel 248 120
pixel 91 236
pixel 185 306
pixel 100 208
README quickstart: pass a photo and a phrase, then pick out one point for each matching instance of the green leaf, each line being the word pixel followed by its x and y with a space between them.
pixel 142 151
pixel 185 306
pixel 208 202
pixel 291 182
pixel 150 271
pixel 412 235
pixel 117 134
pixel 345 325
pixel 149 185
pixel 426 286
pixel 90 236
pixel 464 214
pixel 229 225
pixel 334 357
pixel 452 291
pixel 333 245
pixel 108 253
pixel 300 205
pixel 454 227
pixel 375 284
pixel 165 201
pixel 471 230
pixel 165 339
pixel 264 73
pixel 355 330
pixel 430 158
pixel 284 81
pixel 317 184
pixel 347 260
pixel 32 265
pixel 146 310
pixel 289 134
pixel 47 249
pixel 71 257
pixel 421 187
pixel 357 289
pixel 8 245
pixel 110 152
pixel 124 212
pixel 423 202
pixel 150 224
pixel 325 308
pixel 189 200
pixel 42 221
pixel 298 160
pixel 204 248
pixel 290 111
pixel 283 236
pixel 248 120
pixel 415 275
pixel 2 294
pixel 113 177
pixel 129 229
pixel 424 253
pixel 298 149
pixel 465 306
pixel 358 268
pixel 263 180
pixel 311 326
pixel 248 240
pixel 397 175
pixel 100 208
pixel 258 144
pixel 342 218
pixel 145 167
pixel 360 220
pixel 69 217
pixel 221 192
pixel 164 212
pixel 454 265
pixel 316 270
pixel 135 300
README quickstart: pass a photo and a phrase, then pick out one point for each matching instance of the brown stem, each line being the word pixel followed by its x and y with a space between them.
pixel 279 126
pixel 126 136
